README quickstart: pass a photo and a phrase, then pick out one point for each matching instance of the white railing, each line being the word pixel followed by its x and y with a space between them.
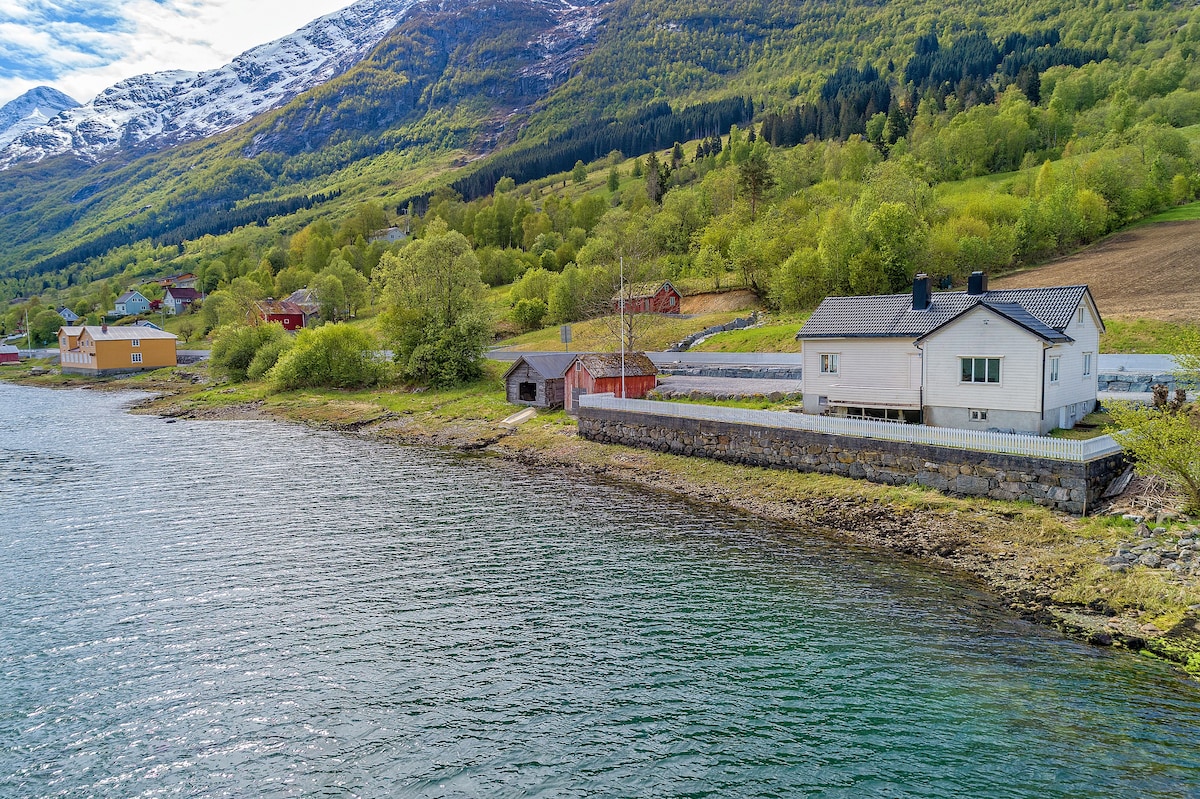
pixel 976 440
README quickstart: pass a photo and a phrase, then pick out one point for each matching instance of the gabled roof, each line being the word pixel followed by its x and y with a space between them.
pixel 1013 313
pixel 278 308
pixel 123 332
pixel 129 295
pixel 892 315
pixel 181 293
pixel 67 314
pixel 71 330
pixel 638 291
pixel 608 364
pixel 548 367
pixel 305 299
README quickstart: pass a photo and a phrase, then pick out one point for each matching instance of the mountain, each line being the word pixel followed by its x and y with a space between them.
pixel 31 110
pixel 168 108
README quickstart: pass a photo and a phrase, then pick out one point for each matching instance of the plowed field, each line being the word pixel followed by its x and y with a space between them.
pixel 1150 272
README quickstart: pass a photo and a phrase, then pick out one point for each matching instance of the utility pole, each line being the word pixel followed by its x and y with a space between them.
pixel 622 322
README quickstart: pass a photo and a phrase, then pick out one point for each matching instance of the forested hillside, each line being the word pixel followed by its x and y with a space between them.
pixel 794 148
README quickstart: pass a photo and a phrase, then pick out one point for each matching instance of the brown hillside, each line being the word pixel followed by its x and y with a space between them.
pixel 714 302
pixel 1150 272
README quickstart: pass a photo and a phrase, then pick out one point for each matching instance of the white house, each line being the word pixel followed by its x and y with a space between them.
pixel 1019 359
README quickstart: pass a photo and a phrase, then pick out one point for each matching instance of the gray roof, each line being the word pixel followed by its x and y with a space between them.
pixel 129 295
pixel 548 366
pixel 1044 311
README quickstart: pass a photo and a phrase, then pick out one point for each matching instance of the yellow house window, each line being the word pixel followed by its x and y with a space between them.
pixel 137 342
pixel 137 357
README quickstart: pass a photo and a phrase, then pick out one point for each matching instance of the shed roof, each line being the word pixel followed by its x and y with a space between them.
pixel 547 366
pixel 608 364
pixel 1042 310
pixel 8 349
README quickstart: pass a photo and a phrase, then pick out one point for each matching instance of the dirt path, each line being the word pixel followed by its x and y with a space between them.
pixel 1150 272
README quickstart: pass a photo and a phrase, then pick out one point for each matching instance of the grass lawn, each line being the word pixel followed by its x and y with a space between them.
pixel 653 332
pixel 777 334
pixel 1146 336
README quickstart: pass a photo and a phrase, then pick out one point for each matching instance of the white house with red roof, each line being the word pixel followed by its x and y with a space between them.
pixel 1020 360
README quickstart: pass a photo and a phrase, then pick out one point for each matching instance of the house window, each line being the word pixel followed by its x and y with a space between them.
pixel 978 414
pixel 1087 364
pixel 1054 369
pixel 829 363
pixel 980 370
pixel 1079 316
pixel 137 357
pixel 137 342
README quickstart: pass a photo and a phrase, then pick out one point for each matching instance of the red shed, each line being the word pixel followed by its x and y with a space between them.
pixel 9 354
pixel 649 298
pixel 600 373
pixel 288 314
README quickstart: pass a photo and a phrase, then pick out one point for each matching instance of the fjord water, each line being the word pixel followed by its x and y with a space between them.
pixel 234 609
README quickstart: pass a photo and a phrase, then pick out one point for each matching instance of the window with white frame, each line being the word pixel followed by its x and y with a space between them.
pixel 1054 368
pixel 978 414
pixel 829 363
pixel 1079 315
pixel 137 342
pixel 980 370
pixel 137 357
pixel 1087 364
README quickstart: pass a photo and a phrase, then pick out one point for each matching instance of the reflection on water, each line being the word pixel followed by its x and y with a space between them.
pixel 251 609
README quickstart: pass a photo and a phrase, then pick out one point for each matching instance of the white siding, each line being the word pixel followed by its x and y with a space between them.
pixel 1073 386
pixel 984 334
pixel 872 369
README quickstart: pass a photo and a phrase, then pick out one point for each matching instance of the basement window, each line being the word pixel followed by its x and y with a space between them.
pixel 979 414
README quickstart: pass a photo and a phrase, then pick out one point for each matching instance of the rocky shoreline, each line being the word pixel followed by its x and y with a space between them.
pixel 928 527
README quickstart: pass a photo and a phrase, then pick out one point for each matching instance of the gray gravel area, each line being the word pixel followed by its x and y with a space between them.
pixel 739 386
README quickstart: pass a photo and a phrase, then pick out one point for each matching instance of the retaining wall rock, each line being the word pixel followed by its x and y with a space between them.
pixel 1070 487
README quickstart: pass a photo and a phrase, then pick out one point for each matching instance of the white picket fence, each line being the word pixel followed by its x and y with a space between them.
pixel 975 440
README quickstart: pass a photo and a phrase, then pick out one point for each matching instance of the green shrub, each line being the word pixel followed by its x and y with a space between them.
pixel 330 356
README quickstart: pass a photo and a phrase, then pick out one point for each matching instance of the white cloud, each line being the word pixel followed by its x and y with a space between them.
pixel 60 47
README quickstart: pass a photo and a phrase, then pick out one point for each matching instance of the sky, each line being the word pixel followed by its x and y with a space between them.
pixel 82 47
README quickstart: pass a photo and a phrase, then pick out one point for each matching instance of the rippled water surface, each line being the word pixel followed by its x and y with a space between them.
pixel 242 609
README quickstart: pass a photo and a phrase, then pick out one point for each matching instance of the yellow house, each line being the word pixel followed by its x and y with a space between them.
pixel 108 350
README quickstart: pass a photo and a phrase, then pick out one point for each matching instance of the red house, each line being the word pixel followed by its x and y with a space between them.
pixel 600 373
pixel 649 298
pixel 288 314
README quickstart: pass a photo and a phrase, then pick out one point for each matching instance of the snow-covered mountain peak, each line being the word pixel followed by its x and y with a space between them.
pixel 32 109
pixel 166 108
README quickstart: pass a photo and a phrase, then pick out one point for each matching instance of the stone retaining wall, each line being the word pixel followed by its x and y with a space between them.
pixel 747 372
pixel 1133 381
pixel 1062 485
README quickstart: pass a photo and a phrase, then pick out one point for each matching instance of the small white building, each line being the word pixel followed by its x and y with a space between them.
pixel 1021 360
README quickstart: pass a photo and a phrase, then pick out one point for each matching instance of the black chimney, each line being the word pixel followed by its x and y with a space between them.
pixel 977 283
pixel 921 295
